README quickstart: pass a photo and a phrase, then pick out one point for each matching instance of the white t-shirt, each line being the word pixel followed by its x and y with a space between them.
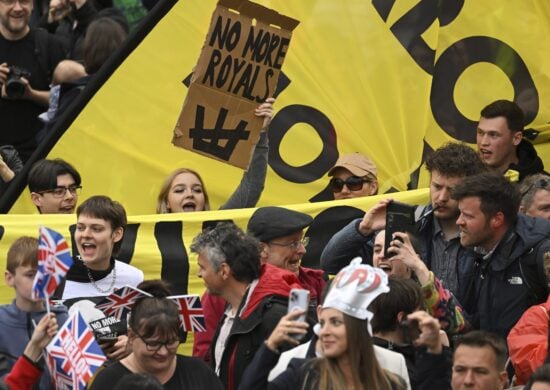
pixel 125 275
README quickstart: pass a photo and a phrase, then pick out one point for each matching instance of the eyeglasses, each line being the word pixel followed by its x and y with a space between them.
pixel 22 3
pixel 354 183
pixel 59 192
pixel 539 184
pixel 154 346
pixel 294 245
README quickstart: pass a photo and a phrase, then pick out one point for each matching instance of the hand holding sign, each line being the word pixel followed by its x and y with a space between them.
pixel 238 68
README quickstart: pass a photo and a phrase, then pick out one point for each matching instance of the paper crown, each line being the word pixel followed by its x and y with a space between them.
pixel 355 287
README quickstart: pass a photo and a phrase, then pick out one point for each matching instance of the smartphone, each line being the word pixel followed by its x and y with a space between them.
pixel 298 300
pixel 399 218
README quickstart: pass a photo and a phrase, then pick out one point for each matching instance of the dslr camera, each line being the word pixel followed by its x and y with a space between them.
pixel 15 88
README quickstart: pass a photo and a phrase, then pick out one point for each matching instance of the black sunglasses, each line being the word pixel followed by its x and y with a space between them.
pixel 354 183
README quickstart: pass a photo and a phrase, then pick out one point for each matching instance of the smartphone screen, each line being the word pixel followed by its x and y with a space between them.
pixel 399 218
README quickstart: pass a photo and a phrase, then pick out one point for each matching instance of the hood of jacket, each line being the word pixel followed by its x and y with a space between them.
pixel 273 281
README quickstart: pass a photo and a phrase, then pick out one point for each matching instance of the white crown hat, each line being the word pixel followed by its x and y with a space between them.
pixel 355 287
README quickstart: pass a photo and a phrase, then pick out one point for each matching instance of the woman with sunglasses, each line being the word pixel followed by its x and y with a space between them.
pixel 153 338
pixel 353 176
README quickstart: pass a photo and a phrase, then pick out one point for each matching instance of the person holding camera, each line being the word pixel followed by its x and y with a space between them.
pixel 27 60
pixel 400 325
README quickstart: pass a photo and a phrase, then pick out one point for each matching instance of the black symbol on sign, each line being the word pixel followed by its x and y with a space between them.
pixel 208 140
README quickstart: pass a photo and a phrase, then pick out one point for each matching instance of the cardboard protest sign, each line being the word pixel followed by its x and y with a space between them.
pixel 237 70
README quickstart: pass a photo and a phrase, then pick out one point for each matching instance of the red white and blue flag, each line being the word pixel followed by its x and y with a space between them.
pixel 191 312
pixel 73 356
pixel 54 260
pixel 119 303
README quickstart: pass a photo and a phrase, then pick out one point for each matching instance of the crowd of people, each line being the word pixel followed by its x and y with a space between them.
pixel 443 305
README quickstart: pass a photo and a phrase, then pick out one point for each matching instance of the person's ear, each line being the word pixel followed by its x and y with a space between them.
pixel 374 188
pixel 264 252
pixel 503 379
pixel 517 137
pixel 36 199
pixel 401 316
pixel 497 220
pixel 117 235
pixel 9 278
pixel 225 271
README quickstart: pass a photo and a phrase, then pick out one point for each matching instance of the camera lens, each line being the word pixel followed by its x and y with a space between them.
pixel 15 88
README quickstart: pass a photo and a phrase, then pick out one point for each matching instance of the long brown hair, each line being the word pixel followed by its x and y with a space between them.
pixel 162 199
pixel 366 371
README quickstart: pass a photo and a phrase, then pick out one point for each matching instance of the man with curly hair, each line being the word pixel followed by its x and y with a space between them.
pixel 439 235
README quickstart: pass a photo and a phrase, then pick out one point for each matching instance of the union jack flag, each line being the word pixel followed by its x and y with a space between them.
pixel 73 356
pixel 119 303
pixel 191 313
pixel 54 260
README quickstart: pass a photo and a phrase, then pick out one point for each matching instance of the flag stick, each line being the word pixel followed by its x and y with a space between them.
pixel 47 299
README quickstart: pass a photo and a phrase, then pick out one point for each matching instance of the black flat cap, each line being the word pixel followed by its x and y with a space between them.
pixel 272 222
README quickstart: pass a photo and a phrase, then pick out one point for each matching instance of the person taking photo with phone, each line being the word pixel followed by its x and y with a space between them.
pixel 440 248
pixel 347 359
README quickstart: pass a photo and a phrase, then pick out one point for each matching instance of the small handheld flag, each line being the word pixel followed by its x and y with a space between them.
pixel 73 355
pixel 191 312
pixel 119 303
pixel 54 261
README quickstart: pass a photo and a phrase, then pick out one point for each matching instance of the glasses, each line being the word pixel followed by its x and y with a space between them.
pixel 539 184
pixel 154 346
pixel 59 192
pixel 354 183
pixel 22 3
pixel 294 245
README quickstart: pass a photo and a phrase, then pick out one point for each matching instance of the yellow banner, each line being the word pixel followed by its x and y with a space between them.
pixel 159 244
pixel 391 79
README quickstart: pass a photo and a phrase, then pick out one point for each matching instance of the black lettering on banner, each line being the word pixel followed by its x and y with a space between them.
pixel 455 60
pixel 208 140
pixel 175 261
pixel 2 231
pixel 327 223
pixel 409 28
pixel 282 123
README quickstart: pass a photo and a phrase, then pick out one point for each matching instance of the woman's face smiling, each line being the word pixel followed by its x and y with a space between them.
pixel 333 333
pixel 155 354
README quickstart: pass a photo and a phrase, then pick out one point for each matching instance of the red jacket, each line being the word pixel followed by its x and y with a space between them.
pixel 528 341
pixel 214 307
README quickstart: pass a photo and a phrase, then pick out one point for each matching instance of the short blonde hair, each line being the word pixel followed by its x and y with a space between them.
pixel 22 252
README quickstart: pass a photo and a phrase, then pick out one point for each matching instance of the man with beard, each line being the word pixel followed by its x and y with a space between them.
pixel 441 250
pixel 27 60
pixel 510 247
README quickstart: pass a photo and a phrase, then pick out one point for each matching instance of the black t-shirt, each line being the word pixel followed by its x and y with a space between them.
pixel 19 117
pixel 190 373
